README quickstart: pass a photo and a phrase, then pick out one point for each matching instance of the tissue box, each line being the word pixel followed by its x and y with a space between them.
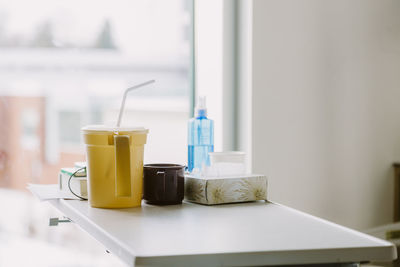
pixel 219 190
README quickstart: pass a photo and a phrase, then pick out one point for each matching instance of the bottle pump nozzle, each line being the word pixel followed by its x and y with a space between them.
pixel 201 109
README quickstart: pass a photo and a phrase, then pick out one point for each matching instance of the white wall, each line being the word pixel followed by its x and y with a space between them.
pixel 326 105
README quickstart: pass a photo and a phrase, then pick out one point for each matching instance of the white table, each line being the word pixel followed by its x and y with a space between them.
pixel 245 234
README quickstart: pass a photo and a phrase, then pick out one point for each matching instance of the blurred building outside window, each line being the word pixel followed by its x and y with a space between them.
pixel 65 64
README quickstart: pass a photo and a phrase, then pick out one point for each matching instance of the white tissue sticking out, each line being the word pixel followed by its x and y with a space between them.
pixel 223 169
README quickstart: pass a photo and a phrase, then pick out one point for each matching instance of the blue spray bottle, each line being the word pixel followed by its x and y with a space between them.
pixel 200 137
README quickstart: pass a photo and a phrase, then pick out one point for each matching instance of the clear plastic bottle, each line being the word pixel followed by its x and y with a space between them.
pixel 200 137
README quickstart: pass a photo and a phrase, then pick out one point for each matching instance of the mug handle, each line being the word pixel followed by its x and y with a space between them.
pixel 163 173
pixel 122 166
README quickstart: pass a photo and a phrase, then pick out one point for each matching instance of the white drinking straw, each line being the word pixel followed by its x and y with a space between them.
pixel 121 110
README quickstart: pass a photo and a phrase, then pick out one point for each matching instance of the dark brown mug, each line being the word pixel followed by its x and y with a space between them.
pixel 163 184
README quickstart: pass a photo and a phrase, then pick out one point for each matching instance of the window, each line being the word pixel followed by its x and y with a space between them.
pixel 69 127
pixel 65 64
pixel 29 129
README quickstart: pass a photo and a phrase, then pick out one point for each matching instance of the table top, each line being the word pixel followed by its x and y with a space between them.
pixel 244 234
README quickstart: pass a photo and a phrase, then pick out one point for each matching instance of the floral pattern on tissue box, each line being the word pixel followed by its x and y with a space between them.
pixel 212 191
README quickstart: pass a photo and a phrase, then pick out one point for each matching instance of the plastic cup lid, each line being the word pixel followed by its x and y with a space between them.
pixel 105 128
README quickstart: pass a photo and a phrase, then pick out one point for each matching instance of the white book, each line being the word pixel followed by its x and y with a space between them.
pixel 80 164
pixel 78 182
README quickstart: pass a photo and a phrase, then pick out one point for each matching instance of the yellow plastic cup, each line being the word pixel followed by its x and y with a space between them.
pixel 114 165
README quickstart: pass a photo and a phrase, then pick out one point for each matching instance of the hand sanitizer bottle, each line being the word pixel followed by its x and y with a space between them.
pixel 200 137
